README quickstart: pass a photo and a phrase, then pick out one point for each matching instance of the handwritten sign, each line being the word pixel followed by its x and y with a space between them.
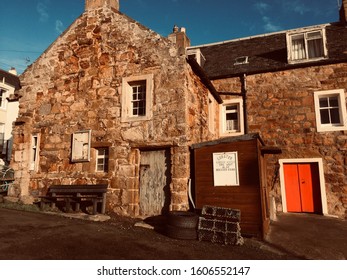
pixel 225 169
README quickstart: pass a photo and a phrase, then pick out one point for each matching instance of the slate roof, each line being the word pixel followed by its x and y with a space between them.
pixel 10 79
pixel 266 53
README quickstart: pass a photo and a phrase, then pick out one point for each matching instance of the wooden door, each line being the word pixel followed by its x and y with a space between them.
pixel 154 183
pixel 302 187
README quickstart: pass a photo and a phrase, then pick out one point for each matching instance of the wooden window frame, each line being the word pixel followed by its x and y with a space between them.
pixel 340 94
pixel 305 33
pixel 80 151
pixel 223 112
pixel 127 98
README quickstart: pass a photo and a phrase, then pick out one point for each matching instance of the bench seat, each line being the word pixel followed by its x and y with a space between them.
pixel 76 194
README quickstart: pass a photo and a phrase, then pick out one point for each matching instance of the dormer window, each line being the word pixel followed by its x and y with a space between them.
pixel 197 55
pixel 306 46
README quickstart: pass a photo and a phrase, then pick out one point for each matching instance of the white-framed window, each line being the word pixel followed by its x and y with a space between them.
pixel 330 107
pixel 102 155
pixel 3 101
pixel 232 122
pixel 306 45
pixel 137 96
pixel 34 153
pixel 80 151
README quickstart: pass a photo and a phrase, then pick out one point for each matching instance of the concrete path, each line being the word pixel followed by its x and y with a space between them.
pixel 313 237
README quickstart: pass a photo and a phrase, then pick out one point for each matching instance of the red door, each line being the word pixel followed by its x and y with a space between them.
pixel 302 187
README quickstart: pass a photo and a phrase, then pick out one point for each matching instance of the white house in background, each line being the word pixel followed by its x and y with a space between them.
pixel 9 82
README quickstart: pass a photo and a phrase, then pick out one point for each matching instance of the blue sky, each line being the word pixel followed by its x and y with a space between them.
pixel 28 27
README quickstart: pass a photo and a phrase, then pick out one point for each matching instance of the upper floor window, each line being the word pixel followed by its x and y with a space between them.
pixel 308 45
pixel 330 109
pixel 3 95
pixel 137 97
pixel 232 118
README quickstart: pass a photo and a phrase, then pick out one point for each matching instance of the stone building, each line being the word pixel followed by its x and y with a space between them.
pixel 111 101
pixel 291 88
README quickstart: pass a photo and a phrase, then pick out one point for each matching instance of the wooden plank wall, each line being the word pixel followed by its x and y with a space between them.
pixel 245 197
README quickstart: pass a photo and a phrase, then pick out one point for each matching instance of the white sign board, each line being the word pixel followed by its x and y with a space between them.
pixel 225 169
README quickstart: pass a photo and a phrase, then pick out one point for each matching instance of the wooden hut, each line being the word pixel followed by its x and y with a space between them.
pixel 231 173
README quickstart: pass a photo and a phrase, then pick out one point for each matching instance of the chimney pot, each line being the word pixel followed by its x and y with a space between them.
pixel 96 4
pixel 13 71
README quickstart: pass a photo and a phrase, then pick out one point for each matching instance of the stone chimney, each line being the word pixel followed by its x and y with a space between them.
pixel 180 38
pixel 96 4
pixel 343 12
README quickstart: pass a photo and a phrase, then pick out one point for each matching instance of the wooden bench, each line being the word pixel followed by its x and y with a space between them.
pixel 76 194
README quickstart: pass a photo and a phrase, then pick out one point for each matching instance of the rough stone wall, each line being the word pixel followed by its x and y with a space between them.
pixel 280 106
pixel 76 84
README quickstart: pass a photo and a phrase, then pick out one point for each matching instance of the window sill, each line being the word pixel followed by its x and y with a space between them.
pixel 303 61
pixel 228 134
pixel 331 128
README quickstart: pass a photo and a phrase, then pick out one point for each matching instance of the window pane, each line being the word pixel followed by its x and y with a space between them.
pixel 315 48
pixel 102 160
pixel 231 108
pixel 298 47
pixel 334 102
pixel 314 35
pixel 324 115
pixel 323 103
pixel 335 116
pixel 232 123
pixel 139 99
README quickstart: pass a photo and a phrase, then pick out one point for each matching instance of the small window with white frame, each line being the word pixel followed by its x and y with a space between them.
pixel 3 101
pixel 306 45
pixel 137 95
pixel 34 154
pixel 330 107
pixel 102 156
pixel 232 122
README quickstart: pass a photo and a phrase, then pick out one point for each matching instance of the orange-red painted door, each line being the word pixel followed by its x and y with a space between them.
pixel 291 181
pixel 302 188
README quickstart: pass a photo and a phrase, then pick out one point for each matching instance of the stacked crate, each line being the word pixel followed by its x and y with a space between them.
pixel 220 225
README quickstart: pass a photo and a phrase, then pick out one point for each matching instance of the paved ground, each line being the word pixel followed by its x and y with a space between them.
pixel 34 235
pixel 313 237
pixel 37 236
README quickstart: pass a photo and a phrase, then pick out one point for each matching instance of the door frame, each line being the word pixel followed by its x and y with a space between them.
pixel 319 161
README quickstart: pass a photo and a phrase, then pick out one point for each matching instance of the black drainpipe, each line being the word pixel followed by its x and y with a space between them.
pixel 244 94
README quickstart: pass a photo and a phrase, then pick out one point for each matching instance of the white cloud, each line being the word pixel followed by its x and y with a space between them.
pixel 269 26
pixel 41 8
pixel 59 26
pixel 296 7
pixel 261 7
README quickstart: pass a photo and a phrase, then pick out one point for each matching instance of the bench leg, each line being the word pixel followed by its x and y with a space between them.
pixel 103 205
pixel 77 207
pixel 68 205
pixel 95 206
